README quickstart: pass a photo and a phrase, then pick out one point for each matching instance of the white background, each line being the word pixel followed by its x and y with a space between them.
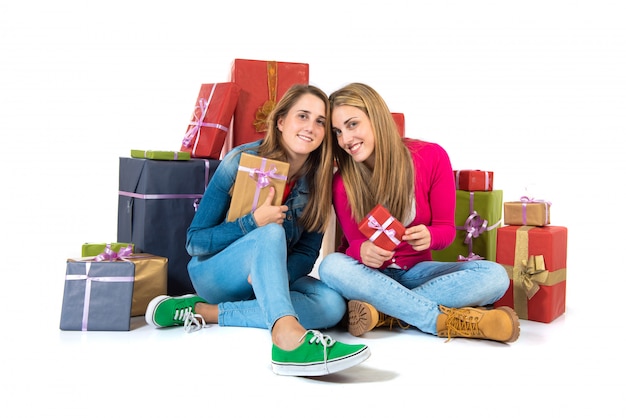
pixel 534 91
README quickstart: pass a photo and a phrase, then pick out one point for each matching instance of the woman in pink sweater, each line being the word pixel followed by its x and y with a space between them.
pixel 412 179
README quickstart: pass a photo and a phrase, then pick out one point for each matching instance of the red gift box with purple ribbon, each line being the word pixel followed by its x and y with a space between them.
pixel 473 180
pixel 528 211
pixel 254 177
pixel 477 217
pixel 380 227
pixel 263 84
pixel 211 120
pixel 535 259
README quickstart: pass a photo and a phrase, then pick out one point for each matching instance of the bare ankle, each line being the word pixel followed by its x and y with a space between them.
pixel 287 333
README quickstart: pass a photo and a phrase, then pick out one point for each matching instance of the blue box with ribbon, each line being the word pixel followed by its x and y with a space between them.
pixel 156 204
pixel 98 296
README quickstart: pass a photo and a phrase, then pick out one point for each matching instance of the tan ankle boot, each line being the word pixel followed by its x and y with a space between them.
pixel 500 324
pixel 363 317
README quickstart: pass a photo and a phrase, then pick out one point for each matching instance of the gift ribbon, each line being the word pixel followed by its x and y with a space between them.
pixel 528 272
pixel 474 225
pixel 196 196
pixel 262 178
pixel 470 257
pixel 264 111
pixel 390 232
pixel 198 122
pixel 525 200
pixel 109 255
pixel 88 281
pixel 146 154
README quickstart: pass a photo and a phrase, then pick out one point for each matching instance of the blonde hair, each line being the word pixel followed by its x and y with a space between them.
pixel 392 181
pixel 318 168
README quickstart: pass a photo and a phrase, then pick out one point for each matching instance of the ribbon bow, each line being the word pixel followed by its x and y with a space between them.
pixel 264 111
pixel 263 176
pixel 199 113
pixel 109 255
pixel 526 199
pixel 532 272
pixel 391 233
pixel 474 226
pixel 470 257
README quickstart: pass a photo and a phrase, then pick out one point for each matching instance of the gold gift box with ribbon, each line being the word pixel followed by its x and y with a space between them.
pixel 252 184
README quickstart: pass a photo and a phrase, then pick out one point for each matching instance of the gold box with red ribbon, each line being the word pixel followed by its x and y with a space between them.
pixel 536 261
pixel 527 211
pixel 263 84
pixel 380 227
pixel 473 180
pixel 252 184
pixel 210 120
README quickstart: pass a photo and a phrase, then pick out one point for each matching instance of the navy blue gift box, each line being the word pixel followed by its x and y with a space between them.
pixel 157 202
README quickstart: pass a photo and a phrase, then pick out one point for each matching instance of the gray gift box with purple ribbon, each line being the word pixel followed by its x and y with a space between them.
pixel 156 204
pixel 97 296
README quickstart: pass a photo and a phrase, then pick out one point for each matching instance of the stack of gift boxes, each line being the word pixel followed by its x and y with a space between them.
pixel 159 192
pixel 518 235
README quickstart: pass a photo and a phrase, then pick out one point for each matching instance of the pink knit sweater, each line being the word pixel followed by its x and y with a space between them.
pixel 435 199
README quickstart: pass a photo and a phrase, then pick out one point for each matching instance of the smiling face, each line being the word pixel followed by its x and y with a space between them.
pixel 304 126
pixel 355 134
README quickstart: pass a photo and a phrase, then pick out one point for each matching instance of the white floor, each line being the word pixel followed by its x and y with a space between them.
pixel 572 366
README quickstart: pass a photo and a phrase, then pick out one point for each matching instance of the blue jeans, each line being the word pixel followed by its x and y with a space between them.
pixel 222 279
pixel 414 295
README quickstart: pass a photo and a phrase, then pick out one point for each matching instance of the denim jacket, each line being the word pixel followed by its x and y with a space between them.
pixel 210 233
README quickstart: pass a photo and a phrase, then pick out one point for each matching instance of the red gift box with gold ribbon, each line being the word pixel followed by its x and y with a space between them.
pixel 262 84
pixel 535 259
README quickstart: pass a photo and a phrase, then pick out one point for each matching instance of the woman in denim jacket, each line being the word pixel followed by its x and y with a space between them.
pixel 253 271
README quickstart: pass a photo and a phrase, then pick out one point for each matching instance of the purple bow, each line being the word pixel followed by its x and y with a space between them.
pixel 474 226
pixel 110 255
pixel 391 233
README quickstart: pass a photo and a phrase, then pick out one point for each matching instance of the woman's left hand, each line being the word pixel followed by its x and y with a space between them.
pixel 418 237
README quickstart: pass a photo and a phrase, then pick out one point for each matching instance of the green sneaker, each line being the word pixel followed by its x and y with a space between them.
pixel 167 311
pixel 318 355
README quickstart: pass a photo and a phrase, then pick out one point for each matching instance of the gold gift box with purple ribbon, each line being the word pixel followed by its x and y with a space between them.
pixel 252 184
pixel 528 211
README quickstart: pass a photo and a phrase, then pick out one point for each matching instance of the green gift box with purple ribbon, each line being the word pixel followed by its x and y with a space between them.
pixel 98 295
pixel 477 216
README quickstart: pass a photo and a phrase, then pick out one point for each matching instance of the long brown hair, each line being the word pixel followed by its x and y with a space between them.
pixel 392 181
pixel 318 168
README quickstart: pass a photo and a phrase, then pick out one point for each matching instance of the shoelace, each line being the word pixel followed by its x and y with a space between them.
pixel 391 321
pixel 461 322
pixel 193 321
pixel 319 338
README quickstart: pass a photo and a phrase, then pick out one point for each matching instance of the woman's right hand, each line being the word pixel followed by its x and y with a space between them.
pixel 268 213
pixel 374 256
